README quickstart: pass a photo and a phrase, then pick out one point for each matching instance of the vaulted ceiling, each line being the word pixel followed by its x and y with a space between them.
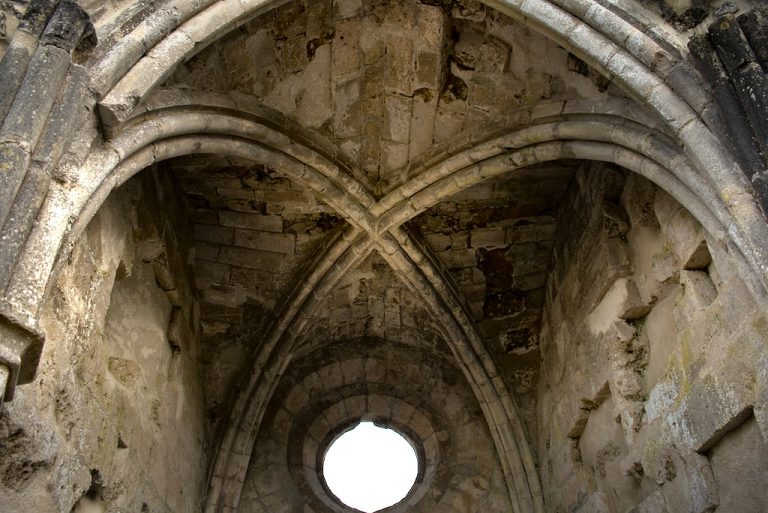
pixel 360 175
pixel 390 86
pixel 387 172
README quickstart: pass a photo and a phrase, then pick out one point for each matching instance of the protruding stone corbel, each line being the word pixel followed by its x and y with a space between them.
pixel 20 349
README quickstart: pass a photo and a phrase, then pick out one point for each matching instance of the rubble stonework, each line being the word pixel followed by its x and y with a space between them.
pixel 528 235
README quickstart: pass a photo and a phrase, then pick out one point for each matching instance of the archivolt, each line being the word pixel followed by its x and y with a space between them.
pixel 165 134
pixel 644 67
pixel 636 61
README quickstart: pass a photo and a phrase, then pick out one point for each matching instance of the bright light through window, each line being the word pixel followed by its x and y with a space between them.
pixel 370 468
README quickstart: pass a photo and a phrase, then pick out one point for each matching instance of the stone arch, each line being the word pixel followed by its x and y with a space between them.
pixel 414 264
pixel 124 77
pixel 168 130
pixel 158 137
pixel 674 148
pixel 602 38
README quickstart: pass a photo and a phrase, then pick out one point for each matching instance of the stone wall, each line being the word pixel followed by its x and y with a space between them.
pixel 416 391
pixel 371 301
pixel 115 419
pixel 653 378
pixel 495 239
pixel 252 231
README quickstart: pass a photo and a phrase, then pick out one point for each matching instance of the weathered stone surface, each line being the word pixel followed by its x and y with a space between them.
pixel 685 236
pixel 673 393
pixel 106 414
pixel 425 213
pixel 348 75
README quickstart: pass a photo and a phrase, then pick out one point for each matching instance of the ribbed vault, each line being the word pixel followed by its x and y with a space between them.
pixel 170 133
pixel 315 189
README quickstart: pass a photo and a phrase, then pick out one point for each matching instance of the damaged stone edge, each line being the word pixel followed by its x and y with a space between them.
pixel 20 349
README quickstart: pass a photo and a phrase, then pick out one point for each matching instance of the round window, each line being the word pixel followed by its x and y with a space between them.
pixel 370 468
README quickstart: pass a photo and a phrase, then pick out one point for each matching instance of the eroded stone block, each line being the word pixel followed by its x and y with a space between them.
pixel 684 234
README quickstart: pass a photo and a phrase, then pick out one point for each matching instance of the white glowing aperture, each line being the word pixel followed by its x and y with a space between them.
pixel 370 468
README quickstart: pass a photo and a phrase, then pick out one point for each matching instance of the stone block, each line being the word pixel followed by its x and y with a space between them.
pixel 706 415
pixel 429 70
pixel 393 155
pixel 267 241
pixel 530 232
pixel 397 118
pixel 208 273
pixel 346 48
pixel 350 148
pixel 375 370
pixel 203 216
pixel 213 234
pixel 493 57
pixel 615 222
pixel 423 121
pixel 127 372
pixel 449 120
pixel 622 301
pixel 608 264
pixel 401 66
pixel 664 266
pixel 530 281
pixel 401 14
pixel 264 78
pixel 264 223
pixel 224 294
pixel 253 259
pixel 697 291
pixel 353 370
pixel 319 18
pixel 529 258
pixel 223 313
pixel 372 46
pixel 482 94
pixel 654 503
pixel 347 8
pixel 296 400
pixel 438 241
pixel 684 234
pixel 740 464
pixel 488 238
pixel 228 195
pixel 306 243
pixel 457 259
pixel 206 251
pixel 598 502
pixel 430 26
pixel 459 240
pixel 637 198
pixel 402 412
pixel 251 278
pixel 470 10
pixel 466 277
